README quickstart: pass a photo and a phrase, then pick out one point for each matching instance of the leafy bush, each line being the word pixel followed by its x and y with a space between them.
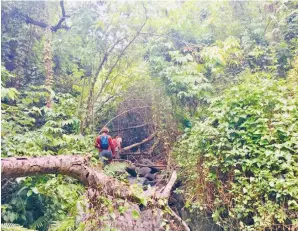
pixel 34 130
pixel 31 129
pixel 241 163
pixel 38 201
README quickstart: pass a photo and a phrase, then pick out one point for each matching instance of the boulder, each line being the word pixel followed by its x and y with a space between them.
pixel 155 169
pixel 150 176
pixel 151 183
pixel 137 180
pixel 143 171
pixel 131 171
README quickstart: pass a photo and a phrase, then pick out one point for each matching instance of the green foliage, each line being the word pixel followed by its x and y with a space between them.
pixel 40 200
pixel 13 227
pixel 68 224
pixel 247 152
pixel 135 214
pixel 240 146
pixel 34 130
pixel 117 170
pixel 31 129
pixel 224 54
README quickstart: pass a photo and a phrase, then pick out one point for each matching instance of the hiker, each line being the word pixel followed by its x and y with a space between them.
pixel 104 144
pixel 117 141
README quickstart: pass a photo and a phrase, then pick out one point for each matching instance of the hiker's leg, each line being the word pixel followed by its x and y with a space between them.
pixel 109 156
pixel 102 158
pixel 117 155
pixel 106 157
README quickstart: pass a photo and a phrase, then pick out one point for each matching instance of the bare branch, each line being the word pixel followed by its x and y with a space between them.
pixel 121 54
pixel 167 190
pixel 35 22
pixel 76 167
pixel 62 19
pixel 54 28
pixel 63 9
pixel 179 219
pixel 142 142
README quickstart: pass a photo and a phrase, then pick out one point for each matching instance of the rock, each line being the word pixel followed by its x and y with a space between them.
pixel 132 180
pixel 151 183
pixel 154 169
pixel 143 171
pixel 131 171
pixel 146 162
pixel 137 180
pixel 150 176
pixel 142 180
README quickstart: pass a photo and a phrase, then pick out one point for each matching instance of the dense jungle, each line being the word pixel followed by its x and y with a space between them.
pixel 203 95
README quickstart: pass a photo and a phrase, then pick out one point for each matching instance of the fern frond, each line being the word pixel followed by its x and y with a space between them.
pixel 68 224
pixel 39 222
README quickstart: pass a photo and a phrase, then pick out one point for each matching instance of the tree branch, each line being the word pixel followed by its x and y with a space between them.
pixel 167 190
pixel 62 19
pixel 63 9
pixel 121 54
pixel 142 142
pixel 35 22
pixel 179 219
pixel 55 28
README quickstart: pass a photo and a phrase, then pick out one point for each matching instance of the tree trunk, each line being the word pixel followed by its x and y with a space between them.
pixel 47 54
pixel 48 65
pixel 150 218
pixel 77 167
pixel 74 166
pixel 89 107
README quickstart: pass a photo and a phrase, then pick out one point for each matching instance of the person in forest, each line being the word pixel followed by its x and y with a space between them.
pixel 105 146
pixel 117 141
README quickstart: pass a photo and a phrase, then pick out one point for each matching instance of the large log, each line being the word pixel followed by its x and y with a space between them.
pixel 70 165
pixel 74 166
pixel 77 167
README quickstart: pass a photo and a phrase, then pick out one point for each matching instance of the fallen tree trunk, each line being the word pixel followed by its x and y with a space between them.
pixel 97 182
pixel 74 166
pixel 138 144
